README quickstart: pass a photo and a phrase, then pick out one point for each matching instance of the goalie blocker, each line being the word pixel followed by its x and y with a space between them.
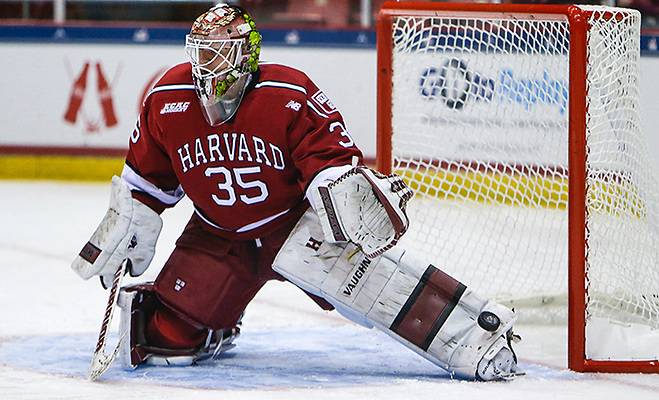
pixel 417 304
pixel 129 231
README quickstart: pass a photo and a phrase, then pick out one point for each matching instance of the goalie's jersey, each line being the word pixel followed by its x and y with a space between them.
pixel 247 176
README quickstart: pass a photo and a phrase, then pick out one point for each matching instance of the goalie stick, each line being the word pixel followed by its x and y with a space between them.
pixel 100 361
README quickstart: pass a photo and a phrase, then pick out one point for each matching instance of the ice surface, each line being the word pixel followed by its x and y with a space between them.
pixel 290 349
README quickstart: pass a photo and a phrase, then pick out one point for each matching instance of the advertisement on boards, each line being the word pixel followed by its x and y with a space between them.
pixel 482 105
pixel 78 95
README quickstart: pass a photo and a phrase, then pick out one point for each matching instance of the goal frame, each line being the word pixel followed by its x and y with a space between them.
pixel 577 243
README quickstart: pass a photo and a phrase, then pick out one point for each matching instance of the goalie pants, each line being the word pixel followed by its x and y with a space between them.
pixel 208 282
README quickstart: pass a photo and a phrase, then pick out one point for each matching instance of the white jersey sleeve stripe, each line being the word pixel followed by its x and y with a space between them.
pixel 284 85
pixel 182 86
pixel 136 182
pixel 316 110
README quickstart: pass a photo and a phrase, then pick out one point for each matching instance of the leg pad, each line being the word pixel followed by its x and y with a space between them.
pixel 138 303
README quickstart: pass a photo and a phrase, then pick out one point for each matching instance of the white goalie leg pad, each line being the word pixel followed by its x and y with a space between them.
pixel 129 230
pixel 415 303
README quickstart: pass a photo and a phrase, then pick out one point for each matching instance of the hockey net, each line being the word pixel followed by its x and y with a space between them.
pixel 486 110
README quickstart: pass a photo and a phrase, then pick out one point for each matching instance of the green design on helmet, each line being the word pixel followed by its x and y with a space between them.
pixel 223 48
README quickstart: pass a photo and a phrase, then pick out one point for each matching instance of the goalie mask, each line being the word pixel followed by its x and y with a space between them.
pixel 223 47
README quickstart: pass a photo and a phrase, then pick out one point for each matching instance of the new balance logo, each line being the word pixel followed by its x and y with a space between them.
pixel 294 105
pixel 175 107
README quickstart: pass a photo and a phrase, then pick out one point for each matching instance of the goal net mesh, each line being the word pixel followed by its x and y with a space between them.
pixel 480 132
pixel 622 232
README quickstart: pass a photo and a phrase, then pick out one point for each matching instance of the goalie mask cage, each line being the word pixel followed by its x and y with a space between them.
pixel 486 110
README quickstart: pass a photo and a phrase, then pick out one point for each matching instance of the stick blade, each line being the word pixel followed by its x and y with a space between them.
pixel 101 362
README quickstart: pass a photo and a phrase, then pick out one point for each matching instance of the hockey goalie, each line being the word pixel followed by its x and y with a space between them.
pixel 280 192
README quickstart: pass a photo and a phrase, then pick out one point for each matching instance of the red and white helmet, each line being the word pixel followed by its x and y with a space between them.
pixel 223 47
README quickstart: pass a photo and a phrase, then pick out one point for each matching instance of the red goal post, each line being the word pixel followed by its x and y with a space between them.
pixel 486 110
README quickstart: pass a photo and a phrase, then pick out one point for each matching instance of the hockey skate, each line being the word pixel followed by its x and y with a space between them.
pixel 503 365
pixel 137 302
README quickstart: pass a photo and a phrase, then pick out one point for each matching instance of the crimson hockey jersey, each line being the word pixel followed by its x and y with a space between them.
pixel 247 176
